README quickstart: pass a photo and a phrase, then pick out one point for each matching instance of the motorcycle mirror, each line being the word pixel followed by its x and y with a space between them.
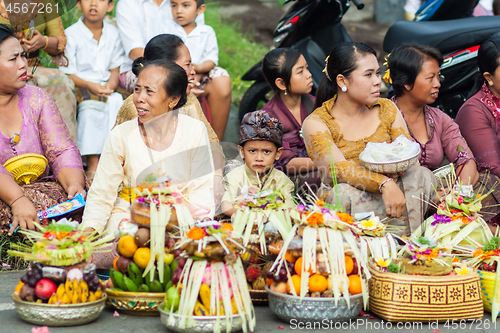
pixel 359 5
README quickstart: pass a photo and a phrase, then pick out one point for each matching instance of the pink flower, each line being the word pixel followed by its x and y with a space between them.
pixel 460 200
pixel 177 197
pixel 116 314
pixel 43 329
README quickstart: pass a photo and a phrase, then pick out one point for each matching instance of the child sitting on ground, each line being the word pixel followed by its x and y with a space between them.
pixel 94 53
pixel 201 41
pixel 260 146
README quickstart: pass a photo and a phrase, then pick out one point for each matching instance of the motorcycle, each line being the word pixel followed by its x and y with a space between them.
pixel 311 26
pixel 457 39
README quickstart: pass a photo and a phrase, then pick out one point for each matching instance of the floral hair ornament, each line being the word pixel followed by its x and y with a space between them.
pixel 387 76
pixel 325 69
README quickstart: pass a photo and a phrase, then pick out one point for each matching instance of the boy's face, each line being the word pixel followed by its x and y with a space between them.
pixel 94 10
pixel 185 11
pixel 259 156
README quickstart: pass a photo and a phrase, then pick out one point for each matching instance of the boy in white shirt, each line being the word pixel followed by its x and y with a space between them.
pixel 202 44
pixel 95 54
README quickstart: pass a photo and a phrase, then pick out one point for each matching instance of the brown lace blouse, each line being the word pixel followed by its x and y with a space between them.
pixel 327 138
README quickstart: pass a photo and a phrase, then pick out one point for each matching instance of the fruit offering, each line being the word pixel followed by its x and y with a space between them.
pixel 59 244
pixel 322 256
pixel 261 218
pixel 212 282
pixel 128 272
pixel 56 285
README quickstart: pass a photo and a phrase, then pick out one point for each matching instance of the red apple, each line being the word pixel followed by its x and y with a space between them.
pixel 45 288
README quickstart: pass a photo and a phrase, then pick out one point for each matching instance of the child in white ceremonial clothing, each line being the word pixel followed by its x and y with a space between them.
pixel 201 41
pixel 95 54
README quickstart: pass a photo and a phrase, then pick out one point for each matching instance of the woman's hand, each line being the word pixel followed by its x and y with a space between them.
pixel 394 199
pixel 23 214
pixel 35 43
pixel 74 189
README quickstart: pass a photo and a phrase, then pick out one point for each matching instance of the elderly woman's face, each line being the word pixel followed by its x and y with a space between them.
pixel 425 90
pixel 184 61
pixel 13 66
pixel 150 97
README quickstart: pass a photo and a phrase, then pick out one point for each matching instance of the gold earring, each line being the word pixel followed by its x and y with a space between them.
pixel 171 105
pixel 490 83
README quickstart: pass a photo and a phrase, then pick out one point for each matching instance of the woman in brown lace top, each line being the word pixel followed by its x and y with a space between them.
pixel 350 114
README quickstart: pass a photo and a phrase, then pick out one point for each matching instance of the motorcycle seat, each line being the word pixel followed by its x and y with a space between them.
pixel 447 36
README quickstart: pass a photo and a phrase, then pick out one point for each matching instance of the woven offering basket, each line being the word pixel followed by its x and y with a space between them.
pixel 487 280
pixel 135 303
pixel 26 168
pixel 401 298
pixel 139 213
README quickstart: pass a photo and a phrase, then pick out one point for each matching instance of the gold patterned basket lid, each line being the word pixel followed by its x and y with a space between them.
pixel 26 168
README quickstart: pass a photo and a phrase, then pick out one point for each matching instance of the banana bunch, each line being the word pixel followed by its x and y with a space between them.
pixel 134 281
pixel 202 307
pixel 73 292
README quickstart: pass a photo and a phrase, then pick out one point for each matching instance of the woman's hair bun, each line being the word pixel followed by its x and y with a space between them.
pixel 138 65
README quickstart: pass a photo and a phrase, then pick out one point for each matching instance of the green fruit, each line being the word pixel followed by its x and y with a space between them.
pixel 174 264
pixel 173 298
pixel 147 277
pixel 117 278
pixel 168 258
pixel 144 288
pixel 167 275
pixel 156 287
pixel 129 284
pixel 135 273
pixel 169 285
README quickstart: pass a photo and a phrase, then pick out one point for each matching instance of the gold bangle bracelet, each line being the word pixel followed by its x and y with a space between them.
pixel 16 200
pixel 218 174
pixel 46 43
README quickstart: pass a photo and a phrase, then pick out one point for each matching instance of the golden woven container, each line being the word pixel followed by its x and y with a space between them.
pixel 487 280
pixel 135 303
pixel 402 298
pixel 26 168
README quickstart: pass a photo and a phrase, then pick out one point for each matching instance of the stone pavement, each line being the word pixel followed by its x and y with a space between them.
pixel 266 321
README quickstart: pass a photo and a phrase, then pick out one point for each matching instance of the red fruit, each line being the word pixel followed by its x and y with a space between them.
pixel 45 288
pixel 253 272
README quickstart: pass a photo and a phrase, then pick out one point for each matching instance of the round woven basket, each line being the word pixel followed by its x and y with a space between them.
pixel 26 168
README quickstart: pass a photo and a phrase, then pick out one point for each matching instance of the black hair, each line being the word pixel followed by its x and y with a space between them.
pixel 164 46
pixel 6 31
pixel 176 80
pixel 278 63
pixel 341 61
pixel 405 63
pixel 199 3
pixel 487 61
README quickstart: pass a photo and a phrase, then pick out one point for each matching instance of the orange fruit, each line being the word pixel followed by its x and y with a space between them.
pixel 295 279
pixel 298 267
pixel 354 284
pixel 269 281
pixel 349 265
pixel 142 256
pixel 114 263
pixel 317 282
pixel 127 246
pixel 289 257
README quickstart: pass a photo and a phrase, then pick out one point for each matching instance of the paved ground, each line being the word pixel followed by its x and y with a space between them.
pixel 266 321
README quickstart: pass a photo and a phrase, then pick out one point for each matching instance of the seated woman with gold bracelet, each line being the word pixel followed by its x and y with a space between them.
pixel 31 124
pixel 46 34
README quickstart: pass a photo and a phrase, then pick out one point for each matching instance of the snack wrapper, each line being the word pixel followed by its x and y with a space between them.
pixel 63 208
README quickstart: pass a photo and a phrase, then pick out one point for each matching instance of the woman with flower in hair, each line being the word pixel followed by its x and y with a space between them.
pixel 349 113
